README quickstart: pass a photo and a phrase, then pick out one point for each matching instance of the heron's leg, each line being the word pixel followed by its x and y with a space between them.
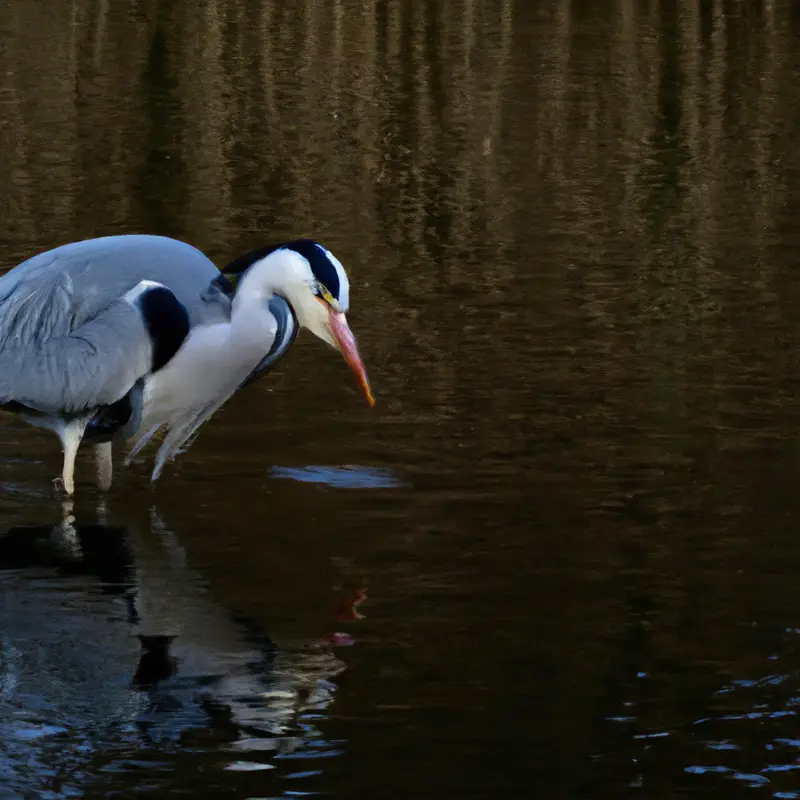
pixel 71 436
pixel 105 467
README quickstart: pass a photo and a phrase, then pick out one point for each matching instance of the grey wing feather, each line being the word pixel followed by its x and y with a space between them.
pixel 94 364
pixel 99 271
pixel 46 301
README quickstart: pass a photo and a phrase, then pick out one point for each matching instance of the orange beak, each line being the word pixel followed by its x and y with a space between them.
pixel 346 342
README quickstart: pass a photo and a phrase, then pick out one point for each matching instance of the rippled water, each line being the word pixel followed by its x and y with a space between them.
pixel 561 555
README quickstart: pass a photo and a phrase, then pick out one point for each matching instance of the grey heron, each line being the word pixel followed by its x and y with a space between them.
pixel 119 337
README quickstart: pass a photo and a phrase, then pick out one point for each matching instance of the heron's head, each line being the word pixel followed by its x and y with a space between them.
pixel 313 281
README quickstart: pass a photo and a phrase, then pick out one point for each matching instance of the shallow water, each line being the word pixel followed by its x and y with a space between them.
pixel 560 555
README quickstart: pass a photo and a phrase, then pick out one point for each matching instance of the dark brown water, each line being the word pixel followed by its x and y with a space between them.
pixel 561 557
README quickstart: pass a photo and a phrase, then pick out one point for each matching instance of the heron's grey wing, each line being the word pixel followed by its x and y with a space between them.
pixel 101 270
pixel 93 365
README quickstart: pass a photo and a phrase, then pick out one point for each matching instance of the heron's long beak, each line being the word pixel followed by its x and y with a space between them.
pixel 346 342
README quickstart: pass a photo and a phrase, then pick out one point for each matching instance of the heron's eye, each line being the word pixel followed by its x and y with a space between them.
pixel 324 295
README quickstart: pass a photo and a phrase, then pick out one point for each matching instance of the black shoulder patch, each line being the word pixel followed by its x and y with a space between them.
pixel 167 322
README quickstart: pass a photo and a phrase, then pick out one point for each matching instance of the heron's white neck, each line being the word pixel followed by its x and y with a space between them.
pixel 281 272
pixel 251 320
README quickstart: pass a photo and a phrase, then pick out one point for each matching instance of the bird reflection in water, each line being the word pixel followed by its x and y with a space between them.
pixel 112 652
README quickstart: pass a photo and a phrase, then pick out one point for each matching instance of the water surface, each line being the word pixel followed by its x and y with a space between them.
pixel 560 556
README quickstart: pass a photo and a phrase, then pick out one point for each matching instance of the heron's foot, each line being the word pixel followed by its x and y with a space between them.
pixel 60 487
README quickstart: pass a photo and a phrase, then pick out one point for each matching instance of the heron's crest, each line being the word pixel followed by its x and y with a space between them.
pixel 325 267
